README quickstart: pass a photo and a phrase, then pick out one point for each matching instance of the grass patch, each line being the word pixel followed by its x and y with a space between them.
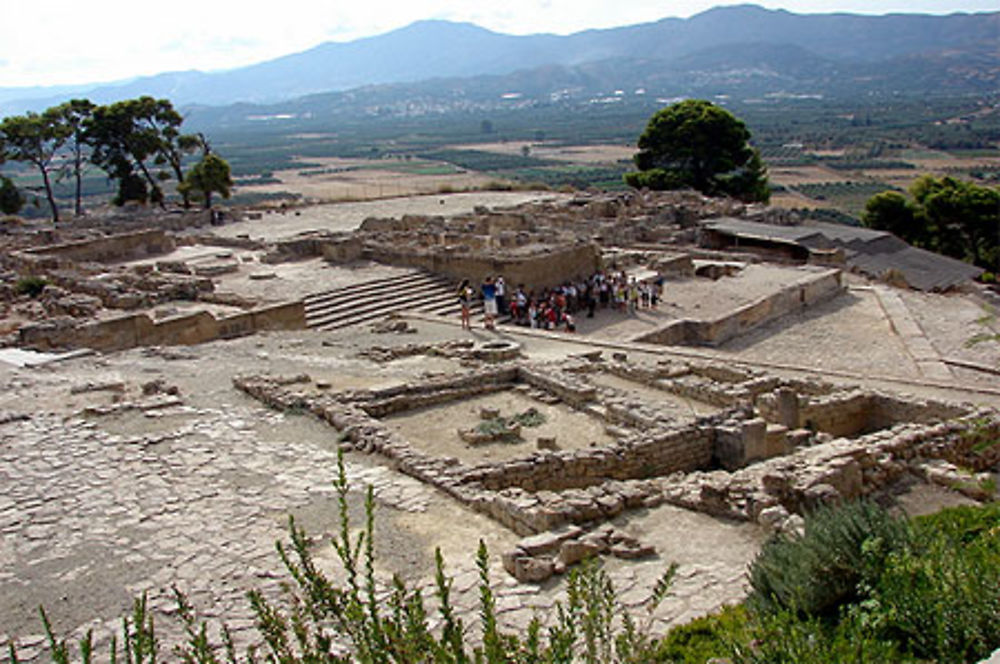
pixel 30 286
pixel 506 429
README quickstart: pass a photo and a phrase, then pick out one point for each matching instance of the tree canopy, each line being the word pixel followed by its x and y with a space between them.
pixel 75 114
pixel 208 176
pixel 953 217
pixel 697 144
pixel 137 142
pixel 35 139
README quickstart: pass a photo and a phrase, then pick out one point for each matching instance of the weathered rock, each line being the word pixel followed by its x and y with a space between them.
pixel 772 517
pixel 573 551
pixel 527 569
pixel 546 443
pixel 548 542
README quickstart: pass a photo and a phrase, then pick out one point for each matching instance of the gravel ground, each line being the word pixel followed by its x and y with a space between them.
pixel 99 508
pixel 348 216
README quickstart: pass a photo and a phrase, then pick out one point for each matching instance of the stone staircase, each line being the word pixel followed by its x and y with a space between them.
pixel 372 300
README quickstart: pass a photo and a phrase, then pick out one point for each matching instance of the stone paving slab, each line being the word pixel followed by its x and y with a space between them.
pixel 928 360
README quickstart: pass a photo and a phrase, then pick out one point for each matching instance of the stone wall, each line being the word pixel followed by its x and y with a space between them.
pixel 772 491
pixel 638 457
pixel 536 270
pixel 798 296
pixel 134 330
pixel 118 247
pixel 342 250
pixel 529 494
pixel 850 412
pixel 548 489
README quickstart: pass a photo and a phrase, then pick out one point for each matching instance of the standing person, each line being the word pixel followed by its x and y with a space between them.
pixel 604 291
pixel 501 286
pixel 633 296
pixel 521 302
pixel 465 294
pixel 591 299
pixel 489 291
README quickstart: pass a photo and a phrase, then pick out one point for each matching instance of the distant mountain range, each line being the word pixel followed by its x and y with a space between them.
pixel 744 49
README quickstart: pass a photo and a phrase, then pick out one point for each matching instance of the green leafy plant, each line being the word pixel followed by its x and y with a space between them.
pixel 503 428
pixel 31 286
pixel 785 637
pixel 941 597
pixel 705 638
pixel 817 572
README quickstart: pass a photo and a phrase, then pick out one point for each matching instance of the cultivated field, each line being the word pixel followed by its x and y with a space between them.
pixel 577 154
pixel 337 179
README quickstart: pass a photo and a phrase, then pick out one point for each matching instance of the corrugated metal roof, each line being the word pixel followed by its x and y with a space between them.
pixel 869 251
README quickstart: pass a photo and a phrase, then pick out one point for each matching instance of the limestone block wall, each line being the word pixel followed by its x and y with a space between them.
pixel 380 403
pixel 133 330
pixel 546 489
pixel 661 453
pixel 840 414
pixel 294 249
pixel 342 250
pixel 889 410
pixel 568 388
pixel 537 270
pixel 677 265
pixel 843 469
pixel 408 223
pixel 121 246
pixel 807 292
pixel 854 412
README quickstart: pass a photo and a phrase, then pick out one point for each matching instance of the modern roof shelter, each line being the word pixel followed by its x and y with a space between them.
pixel 865 250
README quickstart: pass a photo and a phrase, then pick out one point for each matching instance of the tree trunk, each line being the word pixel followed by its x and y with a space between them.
pixel 154 189
pixel 50 195
pixel 78 197
pixel 78 174
pixel 179 174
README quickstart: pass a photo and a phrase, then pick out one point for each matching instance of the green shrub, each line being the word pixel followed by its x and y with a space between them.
pixel 818 572
pixel 926 590
pixel 704 638
pixel 941 598
pixel 30 286
pixel 501 427
pixel 786 638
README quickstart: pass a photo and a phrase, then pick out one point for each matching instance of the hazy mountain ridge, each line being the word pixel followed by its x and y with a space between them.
pixel 710 46
pixel 748 71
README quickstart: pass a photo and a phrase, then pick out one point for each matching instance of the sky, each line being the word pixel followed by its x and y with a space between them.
pixel 70 42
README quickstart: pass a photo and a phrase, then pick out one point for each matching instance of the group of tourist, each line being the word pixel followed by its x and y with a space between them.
pixel 556 308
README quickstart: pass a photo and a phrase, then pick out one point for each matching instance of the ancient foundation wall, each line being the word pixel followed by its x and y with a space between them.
pixel 547 489
pixel 851 413
pixel 788 300
pixel 345 250
pixel 140 330
pixel 121 246
pixel 537 270
pixel 294 249
pixel 685 449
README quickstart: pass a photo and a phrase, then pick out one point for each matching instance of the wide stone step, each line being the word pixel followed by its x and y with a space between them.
pixel 352 300
pixel 375 286
pixel 375 309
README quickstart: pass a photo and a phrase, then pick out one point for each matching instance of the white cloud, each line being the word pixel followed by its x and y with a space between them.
pixel 74 41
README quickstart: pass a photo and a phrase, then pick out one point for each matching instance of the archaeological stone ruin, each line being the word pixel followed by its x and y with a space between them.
pixel 195 379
